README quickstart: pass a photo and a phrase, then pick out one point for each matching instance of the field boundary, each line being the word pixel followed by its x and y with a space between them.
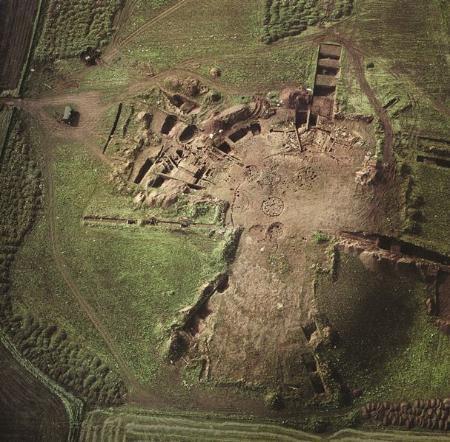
pixel 7 134
pixel 17 91
pixel 73 406
pixel 30 48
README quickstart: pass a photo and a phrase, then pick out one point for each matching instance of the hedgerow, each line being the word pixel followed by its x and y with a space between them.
pixel 45 345
pixel 283 18
pixel 73 26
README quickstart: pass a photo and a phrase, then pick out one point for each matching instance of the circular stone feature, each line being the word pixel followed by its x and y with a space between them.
pixel 272 206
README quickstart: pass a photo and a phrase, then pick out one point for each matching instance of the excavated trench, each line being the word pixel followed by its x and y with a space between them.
pixel 324 91
pixel 143 171
pixel 114 126
pixel 400 247
pixel 188 133
pixel 169 124
pixel 441 162
pixel 191 323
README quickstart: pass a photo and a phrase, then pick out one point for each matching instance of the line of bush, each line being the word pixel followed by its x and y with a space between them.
pixel 284 18
pixel 45 345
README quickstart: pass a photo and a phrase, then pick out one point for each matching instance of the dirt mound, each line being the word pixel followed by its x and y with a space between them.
pixel 189 86
pixel 294 98
pixel 227 118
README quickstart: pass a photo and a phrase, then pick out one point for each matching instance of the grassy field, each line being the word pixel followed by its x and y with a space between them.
pixel 255 69
pixel 136 13
pixel 433 185
pixel 414 40
pixel 390 348
pixel 349 96
pixel 406 58
pixel 144 274
pixel 136 279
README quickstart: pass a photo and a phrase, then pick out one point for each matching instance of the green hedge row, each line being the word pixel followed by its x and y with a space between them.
pixel 283 18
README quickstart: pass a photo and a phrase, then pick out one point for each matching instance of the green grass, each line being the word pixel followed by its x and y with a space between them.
pixel 142 278
pixel 136 279
pixel 141 12
pixel 385 31
pixel 349 96
pixel 261 72
pixel 389 347
pixel 320 237
pixel 433 184
pixel 200 29
pixel 208 33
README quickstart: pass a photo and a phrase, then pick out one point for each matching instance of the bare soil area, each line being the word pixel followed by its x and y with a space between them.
pixel 16 29
pixel 255 331
pixel 28 411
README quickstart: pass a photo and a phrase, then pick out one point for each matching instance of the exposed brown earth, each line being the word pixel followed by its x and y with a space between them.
pixel 282 186
pixel 16 29
pixel 28 410
pixel 287 197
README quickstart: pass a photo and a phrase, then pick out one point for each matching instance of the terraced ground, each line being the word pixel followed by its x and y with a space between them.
pixel 138 425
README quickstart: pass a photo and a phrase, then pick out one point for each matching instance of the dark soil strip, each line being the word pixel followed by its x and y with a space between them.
pixel 239 134
pixel 113 129
pixel 5 140
pixel 443 295
pixel 169 123
pixel 143 171
pixel 188 133
pixel 441 162
pixel 28 410
pixel 16 29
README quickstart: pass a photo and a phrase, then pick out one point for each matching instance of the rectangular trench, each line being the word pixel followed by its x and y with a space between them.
pixel 324 91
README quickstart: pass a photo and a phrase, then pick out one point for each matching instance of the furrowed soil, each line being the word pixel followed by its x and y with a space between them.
pixel 16 29
pixel 28 410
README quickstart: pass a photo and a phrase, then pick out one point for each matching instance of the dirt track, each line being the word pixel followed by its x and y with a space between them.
pixel 358 64
pixel 90 107
pixel 63 270
pixel 115 49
